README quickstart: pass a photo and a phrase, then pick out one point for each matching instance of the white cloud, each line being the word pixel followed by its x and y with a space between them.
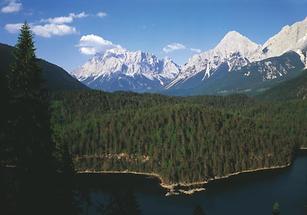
pixel 65 19
pixel 92 44
pixel 79 15
pixel 102 14
pixel 13 28
pixel 195 50
pixel 57 26
pixel 88 50
pixel 173 47
pixel 59 20
pixel 47 30
pixel 13 6
pixel 50 30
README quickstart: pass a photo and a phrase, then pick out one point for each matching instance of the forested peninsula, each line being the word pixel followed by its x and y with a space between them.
pixel 183 140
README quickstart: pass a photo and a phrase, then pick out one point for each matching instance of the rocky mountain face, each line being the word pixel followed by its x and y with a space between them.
pixel 234 60
pixel 234 50
pixel 119 69
pixel 290 38
pixel 237 53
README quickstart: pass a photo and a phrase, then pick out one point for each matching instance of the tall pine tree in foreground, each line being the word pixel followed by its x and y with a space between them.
pixel 29 108
pixel 41 183
pixel 29 132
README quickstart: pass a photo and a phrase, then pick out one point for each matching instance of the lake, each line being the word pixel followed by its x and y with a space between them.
pixel 250 193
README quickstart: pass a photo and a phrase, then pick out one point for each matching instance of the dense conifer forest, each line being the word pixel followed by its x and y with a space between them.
pixel 183 139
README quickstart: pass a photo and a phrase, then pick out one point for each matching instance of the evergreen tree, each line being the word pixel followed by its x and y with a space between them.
pixel 29 108
pixel 64 159
pixel 29 131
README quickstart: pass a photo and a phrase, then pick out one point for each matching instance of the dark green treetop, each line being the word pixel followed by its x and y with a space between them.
pixel 25 78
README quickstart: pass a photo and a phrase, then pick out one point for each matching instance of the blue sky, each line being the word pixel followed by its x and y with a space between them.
pixel 174 28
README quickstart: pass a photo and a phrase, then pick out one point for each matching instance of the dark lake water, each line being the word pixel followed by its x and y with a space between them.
pixel 251 193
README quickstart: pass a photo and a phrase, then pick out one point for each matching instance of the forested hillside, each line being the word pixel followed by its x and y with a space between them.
pixel 183 139
pixel 54 76
pixel 293 89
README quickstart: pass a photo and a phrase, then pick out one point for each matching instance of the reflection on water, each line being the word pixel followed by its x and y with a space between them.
pixel 252 193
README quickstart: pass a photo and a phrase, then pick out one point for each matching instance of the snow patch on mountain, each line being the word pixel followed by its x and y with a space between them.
pixel 234 42
pixel 123 64
pixel 121 69
pixel 238 51
pixel 234 49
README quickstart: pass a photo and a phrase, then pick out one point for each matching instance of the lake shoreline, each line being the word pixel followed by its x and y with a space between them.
pixel 179 188
pixel 184 187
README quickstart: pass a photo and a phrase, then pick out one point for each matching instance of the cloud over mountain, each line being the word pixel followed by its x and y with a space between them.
pixel 173 47
pixel 92 44
pixel 195 50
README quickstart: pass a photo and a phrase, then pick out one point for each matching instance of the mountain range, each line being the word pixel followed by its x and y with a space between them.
pixel 119 69
pixel 235 65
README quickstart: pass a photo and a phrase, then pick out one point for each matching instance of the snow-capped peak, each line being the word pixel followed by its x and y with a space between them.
pixel 234 49
pixel 290 38
pixel 119 63
pixel 234 42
